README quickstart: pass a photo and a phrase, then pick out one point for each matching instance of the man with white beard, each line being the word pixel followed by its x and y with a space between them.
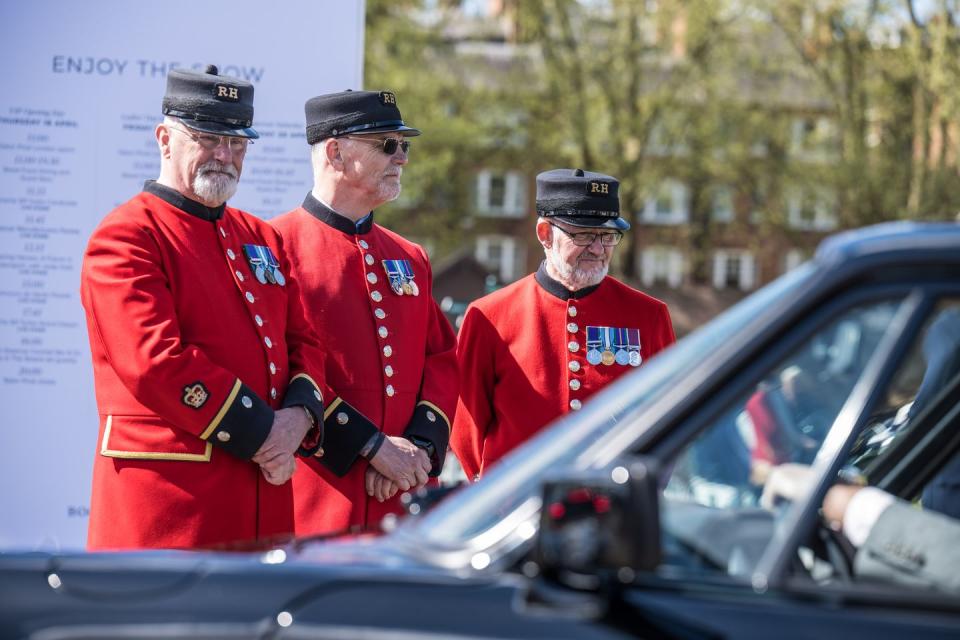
pixel 543 345
pixel 208 378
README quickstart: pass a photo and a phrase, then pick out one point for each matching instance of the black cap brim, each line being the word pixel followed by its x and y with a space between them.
pixel 404 129
pixel 593 222
pixel 220 128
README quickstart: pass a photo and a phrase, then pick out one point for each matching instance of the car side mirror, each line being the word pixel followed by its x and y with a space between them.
pixel 600 526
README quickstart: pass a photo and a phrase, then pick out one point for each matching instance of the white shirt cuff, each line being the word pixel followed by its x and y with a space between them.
pixel 863 511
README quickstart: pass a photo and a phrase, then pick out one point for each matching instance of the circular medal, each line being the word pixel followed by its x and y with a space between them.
pixel 607 357
pixel 260 274
pixel 270 276
pixel 622 358
pixel 635 359
pixel 280 279
pixel 407 289
pixel 593 356
pixel 414 288
pixel 397 289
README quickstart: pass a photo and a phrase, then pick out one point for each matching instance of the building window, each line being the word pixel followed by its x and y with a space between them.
pixel 668 205
pixel 503 255
pixel 810 210
pixel 661 265
pixel 721 204
pixel 734 269
pixel 793 259
pixel 501 194
pixel 813 138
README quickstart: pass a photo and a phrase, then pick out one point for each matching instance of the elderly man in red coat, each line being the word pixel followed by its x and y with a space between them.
pixel 392 358
pixel 542 346
pixel 208 377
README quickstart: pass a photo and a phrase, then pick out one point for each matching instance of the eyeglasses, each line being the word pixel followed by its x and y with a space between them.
pixel 210 142
pixel 387 145
pixel 585 239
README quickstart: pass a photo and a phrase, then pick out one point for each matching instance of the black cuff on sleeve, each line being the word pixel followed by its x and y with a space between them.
pixel 244 423
pixel 346 431
pixel 429 423
pixel 303 391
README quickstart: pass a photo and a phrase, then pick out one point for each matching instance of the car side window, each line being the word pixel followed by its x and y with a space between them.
pixel 932 361
pixel 713 513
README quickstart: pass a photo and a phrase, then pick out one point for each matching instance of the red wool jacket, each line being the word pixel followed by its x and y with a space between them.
pixel 191 356
pixel 391 357
pixel 534 350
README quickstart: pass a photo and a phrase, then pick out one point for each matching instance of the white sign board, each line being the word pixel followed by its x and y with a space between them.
pixel 80 98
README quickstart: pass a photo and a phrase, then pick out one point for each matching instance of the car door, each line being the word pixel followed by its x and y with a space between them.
pixel 823 402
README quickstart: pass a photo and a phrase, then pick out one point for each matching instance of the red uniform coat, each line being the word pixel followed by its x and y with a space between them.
pixel 391 358
pixel 523 358
pixel 191 356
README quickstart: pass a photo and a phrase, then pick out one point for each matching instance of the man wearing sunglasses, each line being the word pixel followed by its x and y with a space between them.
pixel 369 295
pixel 542 346
pixel 205 366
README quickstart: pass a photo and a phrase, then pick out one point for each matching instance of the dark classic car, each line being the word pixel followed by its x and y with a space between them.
pixel 647 514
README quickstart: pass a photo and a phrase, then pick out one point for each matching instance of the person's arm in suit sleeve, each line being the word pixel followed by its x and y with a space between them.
pixel 475 357
pixel 897 542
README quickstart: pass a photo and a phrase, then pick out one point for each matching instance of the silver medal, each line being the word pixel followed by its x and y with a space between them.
pixel 593 356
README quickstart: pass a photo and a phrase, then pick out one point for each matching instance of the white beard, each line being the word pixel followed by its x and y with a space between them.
pixel 575 277
pixel 215 181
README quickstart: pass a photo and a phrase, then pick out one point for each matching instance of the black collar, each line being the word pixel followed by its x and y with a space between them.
pixel 180 201
pixel 325 214
pixel 554 288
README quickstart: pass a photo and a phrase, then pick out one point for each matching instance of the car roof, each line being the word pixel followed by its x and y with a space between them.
pixel 894 240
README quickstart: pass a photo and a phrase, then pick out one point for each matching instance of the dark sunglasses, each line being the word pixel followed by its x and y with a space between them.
pixel 388 145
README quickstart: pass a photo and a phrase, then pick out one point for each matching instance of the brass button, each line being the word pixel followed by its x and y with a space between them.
pixel 267 341
pixel 575 384
pixel 574 365
pixel 273 369
pixel 223 232
pixel 388 370
pixel 250 297
pixel 364 245
pixel 223 436
pixel 575 404
pixel 273 393
pixel 387 351
pixel 239 276
pixel 574 346
pixel 376 295
pixel 258 320
pixel 372 278
pixel 431 416
pixel 342 418
pixel 572 327
pixel 380 313
pixel 369 259
pixel 382 331
pixel 231 254
pixel 390 390
pixel 247 402
pixel 572 311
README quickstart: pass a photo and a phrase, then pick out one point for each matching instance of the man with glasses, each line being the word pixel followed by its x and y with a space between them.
pixel 369 295
pixel 208 377
pixel 542 346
